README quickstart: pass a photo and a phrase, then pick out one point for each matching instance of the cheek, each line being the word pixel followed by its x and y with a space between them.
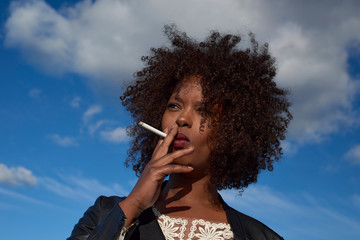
pixel 166 121
pixel 203 141
pixel 163 123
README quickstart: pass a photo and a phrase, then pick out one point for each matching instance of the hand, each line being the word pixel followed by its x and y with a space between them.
pixel 148 187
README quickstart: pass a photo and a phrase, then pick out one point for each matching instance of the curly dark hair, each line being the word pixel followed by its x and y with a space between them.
pixel 251 114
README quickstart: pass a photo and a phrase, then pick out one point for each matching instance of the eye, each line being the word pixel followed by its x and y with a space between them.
pixel 200 109
pixel 172 106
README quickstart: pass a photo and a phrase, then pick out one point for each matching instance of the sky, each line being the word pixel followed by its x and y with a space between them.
pixel 64 64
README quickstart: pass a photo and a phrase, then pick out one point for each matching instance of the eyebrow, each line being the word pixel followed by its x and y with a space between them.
pixel 178 98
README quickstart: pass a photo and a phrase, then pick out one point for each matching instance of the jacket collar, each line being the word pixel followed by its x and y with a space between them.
pixel 150 226
pixel 234 220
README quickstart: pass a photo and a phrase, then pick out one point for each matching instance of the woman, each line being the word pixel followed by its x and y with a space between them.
pixel 224 118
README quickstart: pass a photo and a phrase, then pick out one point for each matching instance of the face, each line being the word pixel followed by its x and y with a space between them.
pixel 184 108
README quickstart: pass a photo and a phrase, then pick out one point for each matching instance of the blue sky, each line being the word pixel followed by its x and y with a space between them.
pixel 63 66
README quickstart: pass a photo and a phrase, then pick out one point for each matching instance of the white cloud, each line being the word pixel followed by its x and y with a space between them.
pixel 116 135
pixel 63 141
pixel 329 169
pixel 356 200
pixel 353 155
pixel 92 110
pixel 75 102
pixel 87 38
pixel 322 90
pixel 35 93
pixel 259 198
pixel 94 127
pixel 73 187
pixel 105 38
pixel 22 197
pixel 81 188
pixel 295 213
pixel 16 176
pixel 289 147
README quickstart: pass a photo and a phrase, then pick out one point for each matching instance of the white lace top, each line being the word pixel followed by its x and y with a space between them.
pixel 191 229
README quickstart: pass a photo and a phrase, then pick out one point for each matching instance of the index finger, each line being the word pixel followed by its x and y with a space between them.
pixel 166 131
pixel 163 148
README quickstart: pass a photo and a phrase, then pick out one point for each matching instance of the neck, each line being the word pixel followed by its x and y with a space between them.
pixel 183 192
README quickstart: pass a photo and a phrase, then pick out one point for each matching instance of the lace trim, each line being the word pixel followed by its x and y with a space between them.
pixel 177 228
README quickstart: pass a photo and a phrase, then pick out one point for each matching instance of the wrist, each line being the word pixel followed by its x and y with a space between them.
pixel 131 210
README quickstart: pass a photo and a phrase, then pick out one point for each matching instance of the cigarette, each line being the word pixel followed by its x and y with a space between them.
pixel 152 129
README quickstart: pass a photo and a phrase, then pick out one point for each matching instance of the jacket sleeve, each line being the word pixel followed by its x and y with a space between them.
pixel 103 220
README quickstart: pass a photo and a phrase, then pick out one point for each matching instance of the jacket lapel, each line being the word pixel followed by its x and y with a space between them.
pixel 149 228
pixel 234 221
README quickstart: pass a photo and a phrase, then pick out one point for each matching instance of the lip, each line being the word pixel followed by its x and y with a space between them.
pixel 181 140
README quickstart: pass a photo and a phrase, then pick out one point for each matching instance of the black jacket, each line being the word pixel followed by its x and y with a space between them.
pixel 105 219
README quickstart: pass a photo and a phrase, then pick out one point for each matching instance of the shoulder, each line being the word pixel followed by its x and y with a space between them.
pixel 104 202
pixel 103 205
pixel 94 215
pixel 249 227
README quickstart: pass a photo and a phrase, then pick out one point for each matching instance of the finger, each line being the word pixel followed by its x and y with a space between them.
pixel 156 148
pixel 173 168
pixel 166 131
pixel 164 146
pixel 169 158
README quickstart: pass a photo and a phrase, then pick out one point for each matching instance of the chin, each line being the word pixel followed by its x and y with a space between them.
pixel 182 161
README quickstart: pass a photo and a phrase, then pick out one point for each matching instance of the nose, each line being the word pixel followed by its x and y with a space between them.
pixel 184 119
